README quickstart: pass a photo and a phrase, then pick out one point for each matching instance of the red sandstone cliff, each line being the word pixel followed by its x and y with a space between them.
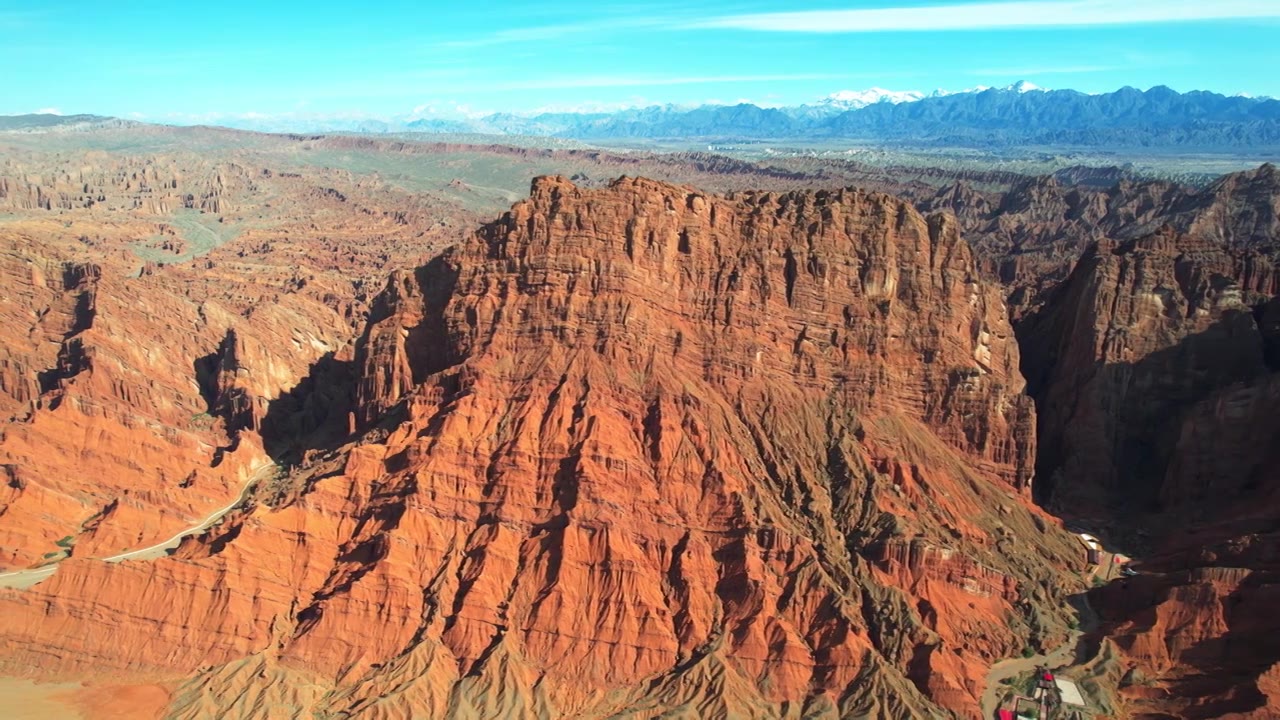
pixel 1138 333
pixel 1154 371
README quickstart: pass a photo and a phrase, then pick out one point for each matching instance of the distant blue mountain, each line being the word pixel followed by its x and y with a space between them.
pixel 987 117
pixel 1020 115
pixel 1128 117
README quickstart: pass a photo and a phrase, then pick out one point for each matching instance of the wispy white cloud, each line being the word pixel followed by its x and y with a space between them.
pixel 956 16
pixel 612 20
pixel 554 32
pixel 995 15
pixel 47 111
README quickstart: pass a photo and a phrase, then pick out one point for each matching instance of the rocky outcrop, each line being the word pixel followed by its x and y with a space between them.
pixel 1198 625
pixel 1138 334
pixel 1196 632
pixel 149 323
pixel 120 419
pixel 149 186
pixel 757 300
pixel 1240 210
pixel 1030 232
pixel 850 309
pixel 1153 367
pixel 630 450
pixel 55 302
pixel 226 385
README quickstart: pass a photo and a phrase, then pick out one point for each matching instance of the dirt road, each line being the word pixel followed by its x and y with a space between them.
pixel 23 579
pixel 1065 654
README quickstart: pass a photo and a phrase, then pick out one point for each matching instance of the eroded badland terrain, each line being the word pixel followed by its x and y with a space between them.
pixel 305 426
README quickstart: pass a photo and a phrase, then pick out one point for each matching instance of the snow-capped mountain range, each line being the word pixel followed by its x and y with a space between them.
pixel 1021 113
pixel 845 100
pixel 428 118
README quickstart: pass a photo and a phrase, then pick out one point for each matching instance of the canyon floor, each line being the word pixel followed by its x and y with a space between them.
pixel 335 426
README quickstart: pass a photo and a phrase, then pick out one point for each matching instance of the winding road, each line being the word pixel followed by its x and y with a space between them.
pixel 23 579
pixel 1067 653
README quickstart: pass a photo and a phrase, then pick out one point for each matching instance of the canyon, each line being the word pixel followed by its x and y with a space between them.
pixel 743 440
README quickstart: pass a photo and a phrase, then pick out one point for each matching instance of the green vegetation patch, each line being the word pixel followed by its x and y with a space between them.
pixel 198 233
pixel 478 181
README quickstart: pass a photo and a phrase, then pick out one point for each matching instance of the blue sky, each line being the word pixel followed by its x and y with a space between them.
pixel 200 61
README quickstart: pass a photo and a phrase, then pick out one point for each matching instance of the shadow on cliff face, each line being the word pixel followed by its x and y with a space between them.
pixel 74 357
pixel 1225 638
pixel 406 339
pixel 1107 432
pixel 340 397
pixel 1267 315
pixel 429 346
pixel 1172 454
pixel 314 414
pixel 206 373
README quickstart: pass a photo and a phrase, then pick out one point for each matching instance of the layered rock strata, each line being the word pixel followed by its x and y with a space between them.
pixel 626 451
